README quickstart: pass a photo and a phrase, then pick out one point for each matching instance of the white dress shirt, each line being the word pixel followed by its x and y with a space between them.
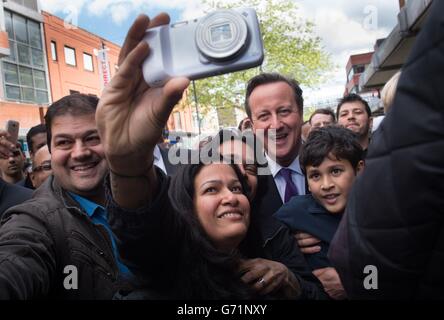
pixel 158 160
pixel 296 175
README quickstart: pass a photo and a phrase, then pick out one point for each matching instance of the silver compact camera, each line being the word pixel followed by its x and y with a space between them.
pixel 223 41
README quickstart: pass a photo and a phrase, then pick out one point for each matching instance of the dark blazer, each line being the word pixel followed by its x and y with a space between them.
pixel 268 200
pixel 394 219
pixel 11 195
pixel 172 168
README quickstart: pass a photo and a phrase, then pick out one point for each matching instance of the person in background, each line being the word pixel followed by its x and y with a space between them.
pixel 12 168
pixel 41 166
pixel 387 96
pixel 388 92
pixel 274 104
pixel 354 113
pixel 245 124
pixel 305 130
pixel 10 194
pixel 321 118
pixel 35 138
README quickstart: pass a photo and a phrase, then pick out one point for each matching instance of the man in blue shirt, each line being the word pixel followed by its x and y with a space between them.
pixel 59 244
pixel 98 215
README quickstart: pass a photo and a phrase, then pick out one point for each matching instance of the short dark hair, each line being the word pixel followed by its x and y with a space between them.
pixel 326 111
pixel 75 104
pixel 339 141
pixel 266 78
pixel 352 97
pixel 40 128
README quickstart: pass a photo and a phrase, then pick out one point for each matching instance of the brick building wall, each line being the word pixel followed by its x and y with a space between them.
pixel 64 77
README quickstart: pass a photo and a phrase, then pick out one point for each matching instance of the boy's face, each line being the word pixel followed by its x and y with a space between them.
pixel 331 182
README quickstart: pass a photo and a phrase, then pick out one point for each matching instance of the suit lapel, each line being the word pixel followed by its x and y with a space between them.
pixel 170 169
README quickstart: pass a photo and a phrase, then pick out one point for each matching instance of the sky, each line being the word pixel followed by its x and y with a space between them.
pixel 345 26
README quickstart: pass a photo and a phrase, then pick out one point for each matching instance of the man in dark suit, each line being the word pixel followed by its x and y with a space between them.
pixel 274 104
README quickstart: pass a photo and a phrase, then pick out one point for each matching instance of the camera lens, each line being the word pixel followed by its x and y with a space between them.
pixel 221 35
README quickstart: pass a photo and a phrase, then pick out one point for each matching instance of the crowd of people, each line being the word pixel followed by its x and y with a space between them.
pixel 285 209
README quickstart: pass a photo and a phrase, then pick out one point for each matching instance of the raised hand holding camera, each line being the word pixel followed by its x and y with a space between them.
pixel 224 41
pixel 131 115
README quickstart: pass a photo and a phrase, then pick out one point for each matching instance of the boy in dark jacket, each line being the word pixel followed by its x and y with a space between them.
pixel 330 159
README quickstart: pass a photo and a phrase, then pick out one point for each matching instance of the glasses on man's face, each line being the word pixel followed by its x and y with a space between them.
pixel 16 153
pixel 44 167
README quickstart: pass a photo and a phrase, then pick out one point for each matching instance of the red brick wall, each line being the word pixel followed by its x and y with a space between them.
pixel 64 77
pixel 27 114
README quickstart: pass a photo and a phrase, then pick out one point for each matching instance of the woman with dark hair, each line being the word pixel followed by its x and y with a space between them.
pixel 267 237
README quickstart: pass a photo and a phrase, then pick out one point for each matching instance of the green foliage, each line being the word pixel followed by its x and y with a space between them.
pixel 291 48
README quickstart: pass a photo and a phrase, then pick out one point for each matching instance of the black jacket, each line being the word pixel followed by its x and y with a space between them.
pixel 304 213
pixel 157 245
pixel 39 238
pixel 267 200
pixel 11 195
pixel 394 218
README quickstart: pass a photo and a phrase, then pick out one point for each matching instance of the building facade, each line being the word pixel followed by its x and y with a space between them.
pixel 24 88
pixel 43 58
pixel 391 54
pixel 355 67
pixel 74 64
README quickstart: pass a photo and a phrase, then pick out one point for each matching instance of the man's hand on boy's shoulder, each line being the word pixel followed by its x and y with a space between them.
pixel 307 243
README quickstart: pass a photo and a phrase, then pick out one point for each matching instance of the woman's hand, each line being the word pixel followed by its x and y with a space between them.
pixel 267 276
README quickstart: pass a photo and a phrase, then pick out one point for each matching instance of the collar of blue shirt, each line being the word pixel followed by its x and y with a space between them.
pixel 91 208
